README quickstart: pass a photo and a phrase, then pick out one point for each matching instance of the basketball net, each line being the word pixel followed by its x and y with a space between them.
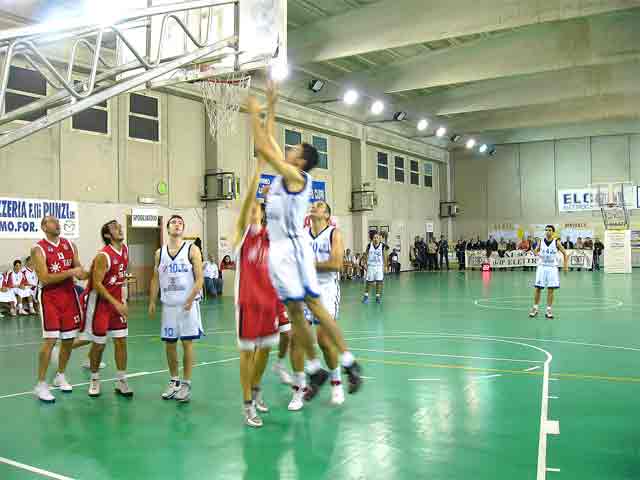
pixel 222 99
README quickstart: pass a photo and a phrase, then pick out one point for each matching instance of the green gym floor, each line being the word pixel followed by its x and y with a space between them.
pixel 460 384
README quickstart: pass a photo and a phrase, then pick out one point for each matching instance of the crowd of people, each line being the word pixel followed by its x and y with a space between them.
pixel 18 288
pixel 431 254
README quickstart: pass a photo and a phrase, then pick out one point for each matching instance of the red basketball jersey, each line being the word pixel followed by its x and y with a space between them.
pixel 114 278
pixel 58 258
pixel 254 283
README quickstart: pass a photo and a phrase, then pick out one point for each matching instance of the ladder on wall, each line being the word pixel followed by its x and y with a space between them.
pixel 104 79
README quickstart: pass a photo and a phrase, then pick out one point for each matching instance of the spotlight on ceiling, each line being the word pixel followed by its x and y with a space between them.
pixel 492 151
pixel 279 71
pixel 483 148
pixel 351 97
pixel 400 116
pixel 471 143
pixel 316 85
pixel 423 124
pixel 455 138
pixel 377 107
pixel 441 132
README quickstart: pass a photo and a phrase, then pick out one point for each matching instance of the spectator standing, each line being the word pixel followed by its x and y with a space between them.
pixel 568 244
pixel 394 261
pixel 432 255
pixel 598 248
pixel 348 264
pixel 502 248
pixel 212 283
pixel 423 254
pixel 460 249
pixel 443 250
pixel 579 244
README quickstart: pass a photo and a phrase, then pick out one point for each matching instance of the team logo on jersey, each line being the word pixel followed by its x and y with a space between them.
pixel 55 268
pixel 113 280
pixel 49 249
pixel 115 261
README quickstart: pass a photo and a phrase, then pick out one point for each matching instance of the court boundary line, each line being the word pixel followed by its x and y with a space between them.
pixel 445 355
pixel 32 469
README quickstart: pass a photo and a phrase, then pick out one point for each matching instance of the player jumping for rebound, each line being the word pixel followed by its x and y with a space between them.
pixel 105 308
pixel 291 259
pixel 57 265
pixel 260 316
pixel 377 263
pixel 547 275
pixel 178 274
pixel 328 248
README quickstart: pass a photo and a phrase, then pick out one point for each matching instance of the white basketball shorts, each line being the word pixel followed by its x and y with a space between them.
pixel 292 268
pixel 375 274
pixel 547 277
pixel 330 299
pixel 178 324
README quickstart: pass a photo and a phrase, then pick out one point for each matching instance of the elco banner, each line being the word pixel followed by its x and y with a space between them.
pixel 520 259
pixel 20 217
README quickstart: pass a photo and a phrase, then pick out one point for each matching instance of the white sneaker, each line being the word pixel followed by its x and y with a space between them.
pixel 87 365
pixel 12 312
pixel 94 388
pixel 533 312
pixel 1 315
pixel 122 388
pixel 184 394
pixel 61 382
pixel 337 393
pixel 258 401
pixel 297 401
pixel 172 389
pixel 43 393
pixel 281 371
pixel 251 417
pixel 549 313
pixel 22 311
pixel 32 311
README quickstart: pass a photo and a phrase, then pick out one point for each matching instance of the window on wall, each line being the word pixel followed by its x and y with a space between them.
pixel 428 174
pixel 399 169
pixel 144 117
pixel 291 139
pixel 24 87
pixel 94 119
pixel 415 172
pixel 383 166
pixel 322 145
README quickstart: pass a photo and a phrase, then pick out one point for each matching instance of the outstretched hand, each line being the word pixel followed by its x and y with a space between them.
pixel 252 105
pixel 272 94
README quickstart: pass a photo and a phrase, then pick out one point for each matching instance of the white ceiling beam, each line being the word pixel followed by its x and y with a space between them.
pixel 398 23
pixel 539 48
pixel 536 89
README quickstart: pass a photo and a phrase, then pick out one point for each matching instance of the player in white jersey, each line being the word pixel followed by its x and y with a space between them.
pixel 15 279
pixel 328 249
pixel 178 274
pixel 291 259
pixel 547 271
pixel 377 263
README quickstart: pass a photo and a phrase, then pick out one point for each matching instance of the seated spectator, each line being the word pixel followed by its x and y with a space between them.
pixel 394 261
pixel 524 245
pixel 15 281
pixel 6 296
pixel 502 248
pixel 227 264
pixel 579 244
pixel 212 280
pixel 588 243
pixel 568 244
pixel 31 283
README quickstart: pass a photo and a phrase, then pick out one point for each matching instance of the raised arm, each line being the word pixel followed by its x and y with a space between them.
pixel 265 146
pixel 46 278
pixel 247 203
pixel 336 259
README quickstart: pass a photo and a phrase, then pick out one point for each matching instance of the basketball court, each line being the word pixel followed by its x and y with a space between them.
pixel 455 387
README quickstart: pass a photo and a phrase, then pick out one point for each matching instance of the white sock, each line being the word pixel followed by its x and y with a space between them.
pixel 300 380
pixel 335 375
pixel 42 384
pixel 95 376
pixel 313 366
pixel 347 359
pixel 536 306
pixel 121 374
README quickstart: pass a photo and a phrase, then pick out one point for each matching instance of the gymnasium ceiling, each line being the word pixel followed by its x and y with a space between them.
pixel 498 70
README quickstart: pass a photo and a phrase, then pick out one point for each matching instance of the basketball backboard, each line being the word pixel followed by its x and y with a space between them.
pixel 262 37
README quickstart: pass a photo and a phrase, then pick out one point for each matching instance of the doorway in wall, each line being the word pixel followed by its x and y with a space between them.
pixel 143 243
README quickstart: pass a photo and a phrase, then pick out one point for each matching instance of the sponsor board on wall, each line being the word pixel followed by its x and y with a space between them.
pixel 584 199
pixel 21 217
pixel 318 188
pixel 144 218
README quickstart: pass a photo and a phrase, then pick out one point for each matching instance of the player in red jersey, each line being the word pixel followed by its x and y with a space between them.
pixel 105 307
pixel 56 263
pixel 260 315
